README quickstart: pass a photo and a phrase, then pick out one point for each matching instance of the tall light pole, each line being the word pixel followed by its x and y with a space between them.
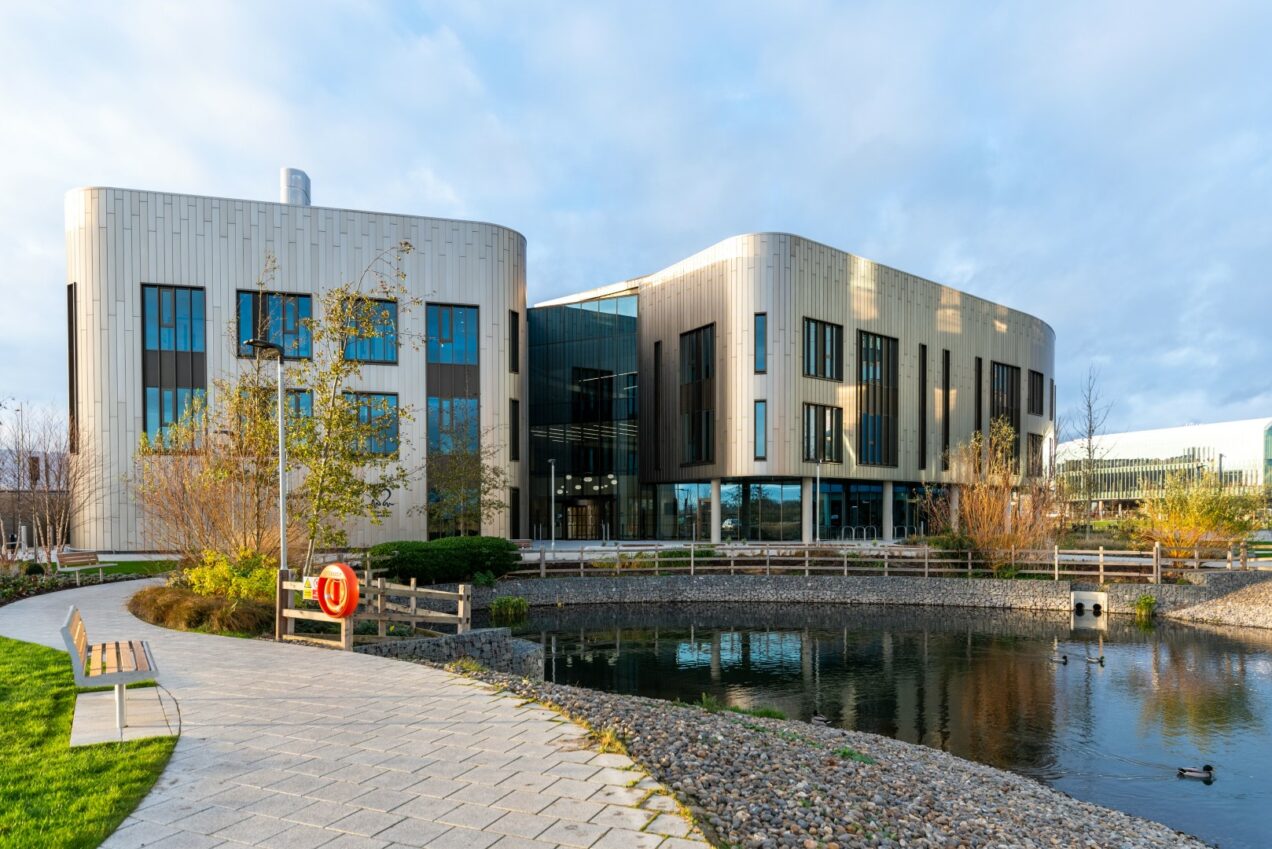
pixel 552 501
pixel 265 345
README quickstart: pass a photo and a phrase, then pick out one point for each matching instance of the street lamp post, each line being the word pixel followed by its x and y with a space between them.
pixel 552 502
pixel 265 345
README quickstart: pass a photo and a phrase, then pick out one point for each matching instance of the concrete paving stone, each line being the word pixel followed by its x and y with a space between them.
pixel 212 819
pixel 382 799
pixel 612 795
pixel 356 841
pixel 365 822
pixel 320 813
pixel 521 824
pixel 572 789
pixel 573 809
pixel 649 784
pixel 337 791
pixel 523 780
pixel 617 777
pixel 569 755
pixel 253 828
pixel 442 768
pixel 299 784
pixel 298 836
pixel 471 816
pixel 617 816
pixel 464 838
pixel 171 810
pixel 510 842
pixel 525 800
pixel 405 763
pixel 276 805
pixel 479 794
pixel 571 833
pixel 672 825
pixel 413 832
pixel 357 773
pixel 613 760
pixel 187 840
pixel 435 786
pixel 660 802
pixel 140 833
pixel 620 839
pixel 579 772
pixel 486 775
pixel 427 807
pixel 684 843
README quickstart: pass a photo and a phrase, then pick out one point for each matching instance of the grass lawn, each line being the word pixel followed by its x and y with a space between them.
pixel 50 794
pixel 137 567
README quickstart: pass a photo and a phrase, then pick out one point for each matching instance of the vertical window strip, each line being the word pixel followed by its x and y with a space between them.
pixel 514 429
pixel 877 399
pixel 923 407
pixel 946 382
pixel 761 430
pixel 514 341
pixel 761 343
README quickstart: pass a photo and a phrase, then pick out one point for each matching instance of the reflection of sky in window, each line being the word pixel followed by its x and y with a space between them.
pixel 698 652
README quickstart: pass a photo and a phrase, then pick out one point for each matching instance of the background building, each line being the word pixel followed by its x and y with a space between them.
pixel 160 287
pixel 1134 465
pixel 706 400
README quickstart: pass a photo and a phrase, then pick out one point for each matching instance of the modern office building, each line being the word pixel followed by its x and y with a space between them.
pixel 161 296
pixel 771 388
pixel 1129 467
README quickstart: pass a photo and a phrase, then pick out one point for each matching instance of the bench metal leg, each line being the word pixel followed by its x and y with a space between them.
pixel 120 711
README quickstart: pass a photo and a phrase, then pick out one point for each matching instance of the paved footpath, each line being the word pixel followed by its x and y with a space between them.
pixel 294 747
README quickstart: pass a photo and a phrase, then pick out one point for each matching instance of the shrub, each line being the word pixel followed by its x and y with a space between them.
pixel 447 560
pixel 33 569
pixel 252 576
pixel 485 579
pixel 1145 607
pixel 508 609
pixel 185 610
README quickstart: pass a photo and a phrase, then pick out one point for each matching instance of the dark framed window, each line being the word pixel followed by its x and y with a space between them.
pixel 514 512
pixel 1036 401
pixel 823 433
pixel 876 399
pixel 923 407
pixel 1035 455
pixel 658 399
pixel 174 355
pixel 514 341
pixel 452 424
pixel 1004 399
pixel 276 317
pixel 381 410
pixel 761 342
pixel 514 429
pixel 980 395
pixel 697 395
pixel 946 383
pixel 1052 411
pixel 823 350
pixel 453 334
pixel 761 430
pixel 373 336
pixel 300 402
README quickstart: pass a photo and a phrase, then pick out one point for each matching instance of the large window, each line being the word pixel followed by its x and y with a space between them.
pixel 452 425
pixel 697 395
pixel 761 343
pixel 300 403
pixel 1035 455
pixel 1036 400
pixel 658 400
pixel 514 429
pixel 980 396
pixel 946 382
pixel 452 334
pixel 275 317
pixel 823 433
pixel 379 410
pixel 373 333
pixel 823 349
pixel 1004 399
pixel 174 357
pixel 876 399
pixel 761 430
pixel 514 341
pixel 923 407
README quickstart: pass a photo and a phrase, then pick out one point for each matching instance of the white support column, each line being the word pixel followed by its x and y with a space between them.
pixel 715 511
pixel 121 710
pixel 806 510
pixel 887 512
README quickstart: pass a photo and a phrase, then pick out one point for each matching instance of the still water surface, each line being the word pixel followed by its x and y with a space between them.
pixel 979 684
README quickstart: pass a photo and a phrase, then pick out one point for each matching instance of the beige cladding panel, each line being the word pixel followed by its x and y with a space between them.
pixel 118 239
pixel 790 278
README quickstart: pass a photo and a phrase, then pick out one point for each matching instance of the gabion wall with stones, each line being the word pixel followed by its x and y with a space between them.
pixel 493 648
pixel 1015 594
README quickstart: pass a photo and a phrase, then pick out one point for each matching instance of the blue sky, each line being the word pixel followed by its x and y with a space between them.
pixel 1105 166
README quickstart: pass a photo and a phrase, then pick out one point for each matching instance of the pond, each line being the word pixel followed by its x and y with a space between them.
pixel 980 684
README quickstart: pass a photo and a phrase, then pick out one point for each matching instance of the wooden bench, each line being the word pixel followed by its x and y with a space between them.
pixel 106 664
pixel 78 561
pixel 523 544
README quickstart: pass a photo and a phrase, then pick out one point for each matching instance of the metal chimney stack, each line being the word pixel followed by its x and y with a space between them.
pixel 293 187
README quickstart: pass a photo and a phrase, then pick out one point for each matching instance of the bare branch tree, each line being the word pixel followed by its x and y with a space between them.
pixel 1087 426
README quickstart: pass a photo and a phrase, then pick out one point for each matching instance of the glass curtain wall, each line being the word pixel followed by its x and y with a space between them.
pixel 760 511
pixel 583 416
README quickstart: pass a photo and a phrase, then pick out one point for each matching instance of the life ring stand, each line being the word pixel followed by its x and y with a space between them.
pixel 337 590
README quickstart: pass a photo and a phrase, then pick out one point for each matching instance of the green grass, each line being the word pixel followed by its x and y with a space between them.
pixel 50 794
pixel 852 754
pixel 137 567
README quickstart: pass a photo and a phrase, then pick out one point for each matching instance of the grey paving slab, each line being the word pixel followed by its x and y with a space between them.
pixel 293 747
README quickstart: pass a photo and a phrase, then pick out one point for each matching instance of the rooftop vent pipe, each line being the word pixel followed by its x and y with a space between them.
pixel 293 187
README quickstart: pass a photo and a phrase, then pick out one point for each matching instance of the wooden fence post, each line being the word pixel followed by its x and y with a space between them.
pixel 806 552
pixel 926 549
pixel 382 626
pixel 1055 562
pixel 543 563
pixel 1245 564
pixel 464 609
pixel 1230 555
pixel 693 548
pixel 1157 563
pixel 768 567
pixel 278 604
pixel 969 564
pixel 1196 558
pixel 845 553
pixel 346 633
pixel 1101 565
pixel 885 563
pixel 414 607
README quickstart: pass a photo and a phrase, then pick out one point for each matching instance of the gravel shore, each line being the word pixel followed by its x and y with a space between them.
pixel 1250 607
pixel 765 783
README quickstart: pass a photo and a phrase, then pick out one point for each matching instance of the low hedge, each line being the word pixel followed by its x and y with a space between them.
pixel 448 560
pixel 186 610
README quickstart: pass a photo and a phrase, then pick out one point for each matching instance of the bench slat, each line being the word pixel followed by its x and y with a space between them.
pixel 127 659
pixel 111 653
pixel 82 558
pixel 140 657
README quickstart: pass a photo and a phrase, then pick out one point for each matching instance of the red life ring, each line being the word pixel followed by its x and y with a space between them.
pixel 337 591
